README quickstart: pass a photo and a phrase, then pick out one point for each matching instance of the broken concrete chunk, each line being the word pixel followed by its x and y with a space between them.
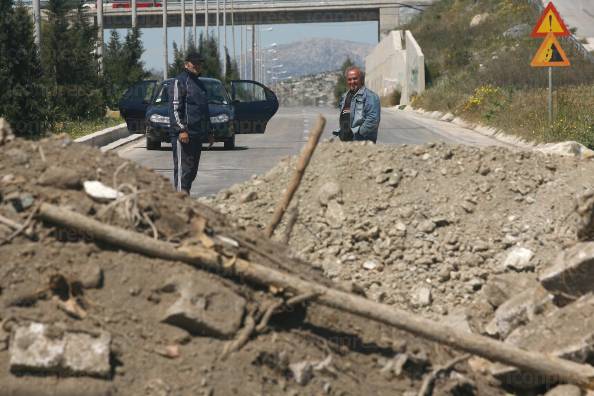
pixel 329 191
pixel 519 259
pixel 100 192
pixel 302 372
pixel 249 197
pixel 572 272
pixel 31 350
pixel 335 214
pixel 206 307
pixel 421 297
pixel 501 288
pixel 35 348
pixel 87 355
pixel 566 333
pixel 60 177
pixel 519 310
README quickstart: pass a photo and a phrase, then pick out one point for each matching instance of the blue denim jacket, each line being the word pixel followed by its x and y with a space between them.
pixel 365 114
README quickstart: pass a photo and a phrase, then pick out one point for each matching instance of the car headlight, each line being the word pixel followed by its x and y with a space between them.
pixel 219 119
pixel 159 119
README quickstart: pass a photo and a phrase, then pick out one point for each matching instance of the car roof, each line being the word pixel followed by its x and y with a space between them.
pixel 201 78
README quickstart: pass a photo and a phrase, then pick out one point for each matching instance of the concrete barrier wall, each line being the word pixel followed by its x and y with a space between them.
pixel 397 62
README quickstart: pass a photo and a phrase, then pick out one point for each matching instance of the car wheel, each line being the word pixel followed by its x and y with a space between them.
pixel 153 144
pixel 230 143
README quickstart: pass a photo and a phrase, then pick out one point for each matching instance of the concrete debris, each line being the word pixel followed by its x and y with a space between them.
pixel 206 308
pixel 91 276
pixel 394 367
pixel 518 259
pixel 567 149
pixel 329 191
pixel 501 288
pixel 519 310
pixel 422 297
pixel 302 372
pixel 40 348
pixel 572 272
pixel 335 214
pixel 370 265
pixel 100 192
pixel 567 333
pixel 60 177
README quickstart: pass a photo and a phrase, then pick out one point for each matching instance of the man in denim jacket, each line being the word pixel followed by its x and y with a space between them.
pixel 360 109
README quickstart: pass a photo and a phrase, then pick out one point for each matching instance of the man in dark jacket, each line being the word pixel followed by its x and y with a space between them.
pixel 190 122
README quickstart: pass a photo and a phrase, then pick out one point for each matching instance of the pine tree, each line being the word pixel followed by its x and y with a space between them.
pixel 133 50
pixel 178 61
pixel 341 84
pixel 22 101
pixel 71 63
pixel 231 70
pixel 209 49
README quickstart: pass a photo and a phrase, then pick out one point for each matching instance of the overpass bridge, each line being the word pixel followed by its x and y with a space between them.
pixel 390 14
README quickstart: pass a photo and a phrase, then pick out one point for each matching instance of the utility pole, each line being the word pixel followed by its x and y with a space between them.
pixel 241 51
pixel 253 52
pixel 183 25
pixel 100 35
pixel 206 19
pixel 37 23
pixel 218 27
pixel 233 29
pixel 194 23
pixel 165 56
pixel 225 37
pixel 134 14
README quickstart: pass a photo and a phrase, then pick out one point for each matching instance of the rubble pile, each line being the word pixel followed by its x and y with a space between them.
pixel 482 239
pixel 422 227
pixel 80 316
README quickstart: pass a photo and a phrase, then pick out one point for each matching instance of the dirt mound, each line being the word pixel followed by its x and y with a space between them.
pixel 80 317
pixel 422 227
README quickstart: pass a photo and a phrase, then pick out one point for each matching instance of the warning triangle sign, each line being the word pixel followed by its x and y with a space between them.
pixel 550 54
pixel 550 22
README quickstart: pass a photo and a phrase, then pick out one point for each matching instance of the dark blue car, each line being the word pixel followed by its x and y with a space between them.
pixel 145 107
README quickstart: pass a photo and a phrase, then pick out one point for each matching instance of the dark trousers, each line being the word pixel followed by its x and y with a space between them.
pixel 186 157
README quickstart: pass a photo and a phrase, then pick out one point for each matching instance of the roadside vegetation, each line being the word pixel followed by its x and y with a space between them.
pixel 60 89
pixel 482 71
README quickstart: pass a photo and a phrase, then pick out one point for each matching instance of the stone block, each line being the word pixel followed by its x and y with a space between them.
pixel 206 307
pixel 37 347
pixel 566 333
pixel 519 310
pixel 572 271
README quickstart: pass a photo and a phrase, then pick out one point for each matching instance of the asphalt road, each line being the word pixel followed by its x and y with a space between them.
pixel 285 135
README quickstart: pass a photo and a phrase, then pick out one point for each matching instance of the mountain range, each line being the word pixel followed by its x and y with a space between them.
pixel 316 55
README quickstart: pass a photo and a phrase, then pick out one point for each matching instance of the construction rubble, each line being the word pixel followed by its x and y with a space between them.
pixel 489 241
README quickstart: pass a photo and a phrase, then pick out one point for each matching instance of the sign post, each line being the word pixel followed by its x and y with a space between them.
pixel 550 54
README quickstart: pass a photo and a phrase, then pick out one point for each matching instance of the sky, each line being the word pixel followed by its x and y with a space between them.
pixel 364 32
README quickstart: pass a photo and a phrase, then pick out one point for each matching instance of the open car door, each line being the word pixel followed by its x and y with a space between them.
pixel 134 103
pixel 254 105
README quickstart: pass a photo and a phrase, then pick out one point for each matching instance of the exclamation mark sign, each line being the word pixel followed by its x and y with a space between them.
pixel 550 23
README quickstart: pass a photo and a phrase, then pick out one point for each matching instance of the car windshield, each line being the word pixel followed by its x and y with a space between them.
pixel 216 92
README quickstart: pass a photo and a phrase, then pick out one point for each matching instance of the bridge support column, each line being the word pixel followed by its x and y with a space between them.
pixel 389 20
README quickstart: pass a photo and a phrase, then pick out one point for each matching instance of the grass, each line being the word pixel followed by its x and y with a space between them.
pixel 485 76
pixel 76 129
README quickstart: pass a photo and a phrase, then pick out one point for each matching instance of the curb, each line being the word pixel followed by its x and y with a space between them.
pixel 569 148
pixel 120 142
pixel 105 136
